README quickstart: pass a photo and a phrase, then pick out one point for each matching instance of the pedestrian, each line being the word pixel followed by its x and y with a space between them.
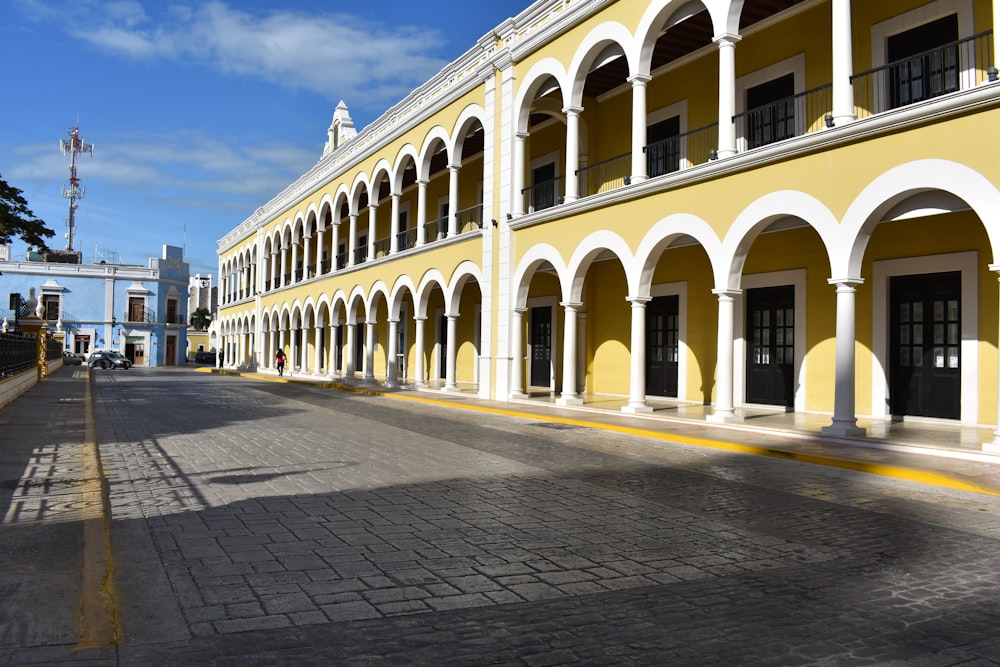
pixel 279 361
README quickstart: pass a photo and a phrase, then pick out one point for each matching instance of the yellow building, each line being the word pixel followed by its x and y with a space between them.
pixel 736 204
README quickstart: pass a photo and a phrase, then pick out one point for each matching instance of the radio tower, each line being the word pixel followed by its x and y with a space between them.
pixel 73 146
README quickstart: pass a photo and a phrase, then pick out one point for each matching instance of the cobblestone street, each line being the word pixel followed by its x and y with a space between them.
pixel 260 523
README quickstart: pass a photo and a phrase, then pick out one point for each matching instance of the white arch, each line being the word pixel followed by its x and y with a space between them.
pixel 532 259
pixel 903 182
pixel 540 71
pixel 596 41
pixel 761 213
pixel 657 240
pixel 586 251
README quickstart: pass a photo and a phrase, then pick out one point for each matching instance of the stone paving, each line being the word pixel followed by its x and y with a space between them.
pixel 258 523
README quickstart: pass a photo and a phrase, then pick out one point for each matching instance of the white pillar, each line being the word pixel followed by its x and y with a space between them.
pixel 639 127
pixel 517 353
pixel 391 376
pixel 372 220
pixel 319 251
pixel 449 361
pixel 352 240
pixel 394 225
pixel 637 358
pixel 517 199
pixel 843 64
pixel 274 269
pixel 349 353
pixel 317 348
pixel 996 42
pixel 452 200
pixel 369 351
pixel 844 421
pixel 421 212
pixel 334 244
pixel 727 94
pixel 569 396
pixel 572 153
pixel 295 262
pixel 994 445
pixel 284 264
pixel 305 256
pixel 331 366
pixel 724 408
pixel 418 360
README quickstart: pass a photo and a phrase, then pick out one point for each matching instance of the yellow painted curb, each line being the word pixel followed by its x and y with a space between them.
pixel 97 617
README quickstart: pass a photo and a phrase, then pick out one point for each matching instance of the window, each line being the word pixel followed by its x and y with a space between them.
pixel 172 312
pixel 771 111
pixel 50 303
pixel 923 62
pixel 543 186
pixel 663 153
pixel 136 309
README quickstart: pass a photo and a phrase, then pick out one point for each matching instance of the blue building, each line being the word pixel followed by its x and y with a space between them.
pixel 139 311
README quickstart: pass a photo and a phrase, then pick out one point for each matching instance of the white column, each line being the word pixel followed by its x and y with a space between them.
pixel 296 343
pixel 349 353
pixel 334 244
pixel 394 225
pixel 569 396
pixel 994 445
pixel 517 352
pixel 452 200
pixel 724 409
pixel 418 361
pixel 572 153
pixel 517 199
pixel 637 358
pixel 391 376
pixel 305 257
pixel 295 262
pixel 281 343
pixel 996 42
pixel 369 351
pixel 727 94
pixel 639 127
pixel 331 351
pixel 449 362
pixel 372 220
pixel 317 347
pixel 843 64
pixel 319 250
pixel 421 212
pixel 352 240
pixel 284 264
pixel 844 420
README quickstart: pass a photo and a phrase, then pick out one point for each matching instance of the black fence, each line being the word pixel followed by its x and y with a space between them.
pixel 17 354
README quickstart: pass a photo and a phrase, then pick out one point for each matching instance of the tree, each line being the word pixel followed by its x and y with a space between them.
pixel 16 219
pixel 201 318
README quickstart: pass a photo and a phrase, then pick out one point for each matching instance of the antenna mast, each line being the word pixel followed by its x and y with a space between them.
pixel 73 146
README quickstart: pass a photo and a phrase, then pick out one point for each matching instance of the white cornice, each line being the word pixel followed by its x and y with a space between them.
pixel 538 23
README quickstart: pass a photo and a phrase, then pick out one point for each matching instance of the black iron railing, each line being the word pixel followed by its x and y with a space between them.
pixel 959 65
pixel 605 175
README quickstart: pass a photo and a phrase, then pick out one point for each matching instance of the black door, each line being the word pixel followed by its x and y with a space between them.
pixel 663 147
pixel 771 337
pixel 543 186
pixel 771 111
pixel 662 315
pixel 360 336
pixel 541 346
pixel 923 62
pixel 925 365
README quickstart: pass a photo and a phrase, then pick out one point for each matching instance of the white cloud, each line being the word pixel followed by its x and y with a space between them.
pixel 336 55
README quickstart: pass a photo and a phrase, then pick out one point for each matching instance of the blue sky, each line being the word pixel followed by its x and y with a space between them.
pixel 199 112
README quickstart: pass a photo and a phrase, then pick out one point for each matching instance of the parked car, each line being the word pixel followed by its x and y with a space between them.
pixel 109 359
pixel 71 359
pixel 204 357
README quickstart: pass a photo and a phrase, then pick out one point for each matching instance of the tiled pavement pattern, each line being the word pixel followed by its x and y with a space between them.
pixel 296 525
